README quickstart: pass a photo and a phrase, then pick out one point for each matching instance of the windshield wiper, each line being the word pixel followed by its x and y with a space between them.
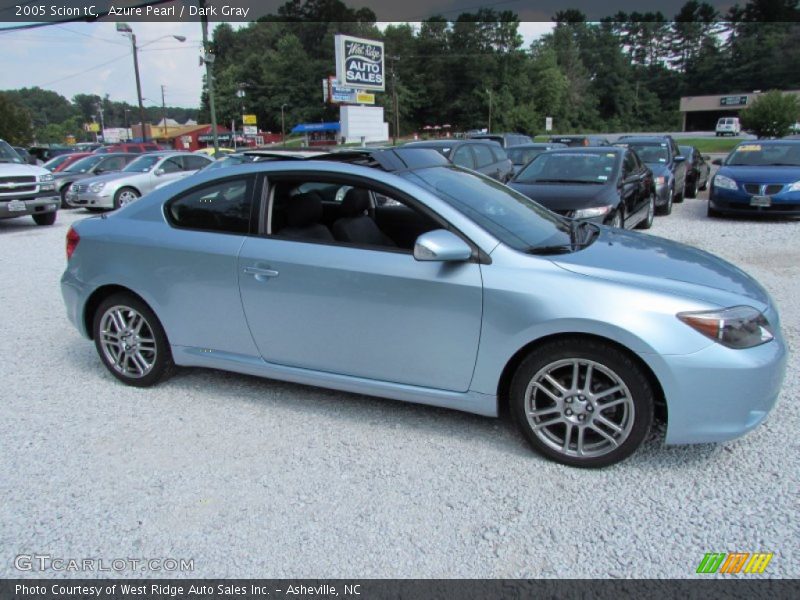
pixel 577 240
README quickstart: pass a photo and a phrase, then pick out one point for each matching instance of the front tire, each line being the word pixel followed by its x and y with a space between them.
pixel 691 191
pixel 45 218
pixel 582 403
pixel 667 208
pixel 63 193
pixel 125 196
pixel 131 341
pixel 618 221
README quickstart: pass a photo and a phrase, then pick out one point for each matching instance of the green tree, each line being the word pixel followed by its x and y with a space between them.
pixel 772 114
pixel 15 121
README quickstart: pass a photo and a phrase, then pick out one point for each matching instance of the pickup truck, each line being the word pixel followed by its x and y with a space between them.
pixel 26 189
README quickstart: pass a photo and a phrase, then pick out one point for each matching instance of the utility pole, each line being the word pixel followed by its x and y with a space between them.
pixel 163 112
pixel 488 91
pixel 102 121
pixel 396 109
pixel 283 126
pixel 126 29
pixel 208 59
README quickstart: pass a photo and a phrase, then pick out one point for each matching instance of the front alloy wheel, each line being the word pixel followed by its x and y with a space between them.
pixel 130 341
pixel 124 197
pixel 651 212
pixel 582 402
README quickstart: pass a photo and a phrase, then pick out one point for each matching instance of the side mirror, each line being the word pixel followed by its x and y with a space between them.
pixel 679 159
pixel 441 245
pixel 159 172
pixel 717 161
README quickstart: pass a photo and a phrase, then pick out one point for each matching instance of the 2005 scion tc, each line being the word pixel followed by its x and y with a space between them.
pixel 396 274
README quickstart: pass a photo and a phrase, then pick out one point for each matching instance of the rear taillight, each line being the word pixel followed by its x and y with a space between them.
pixel 72 242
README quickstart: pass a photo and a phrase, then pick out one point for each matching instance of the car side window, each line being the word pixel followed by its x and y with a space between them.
pixel 171 165
pixel 499 154
pixel 115 163
pixel 224 206
pixel 483 155
pixel 463 157
pixel 192 163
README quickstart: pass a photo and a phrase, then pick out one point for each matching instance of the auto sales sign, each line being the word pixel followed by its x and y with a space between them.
pixel 359 63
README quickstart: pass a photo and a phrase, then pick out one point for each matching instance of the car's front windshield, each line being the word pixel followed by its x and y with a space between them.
pixel 8 154
pixel 570 167
pixel 522 156
pixel 142 164
pixel 84 164
pixel 651 153
pixel 763 155
pixel 511 217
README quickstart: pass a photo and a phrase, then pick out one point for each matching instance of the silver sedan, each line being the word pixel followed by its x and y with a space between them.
pixel 143 175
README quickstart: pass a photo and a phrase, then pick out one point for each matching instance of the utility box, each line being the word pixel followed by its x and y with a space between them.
pixel 363 124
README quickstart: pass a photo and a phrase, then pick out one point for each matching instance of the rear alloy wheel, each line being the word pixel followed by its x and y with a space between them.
pixel 583 403
pixel 131 341
pixel 125 196
pixel 45 218
pixel 651 213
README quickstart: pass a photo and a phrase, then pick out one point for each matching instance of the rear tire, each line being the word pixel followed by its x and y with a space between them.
pixel 45 218
pixel 131 341
pixel 582 402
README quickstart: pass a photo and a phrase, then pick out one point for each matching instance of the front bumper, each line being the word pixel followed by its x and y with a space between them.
pixel 102 199
pixel 662 195
pixel 719 394
pixel 10 208
pixel 738 202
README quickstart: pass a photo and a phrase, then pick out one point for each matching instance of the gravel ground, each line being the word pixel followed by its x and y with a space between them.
pixel 252 477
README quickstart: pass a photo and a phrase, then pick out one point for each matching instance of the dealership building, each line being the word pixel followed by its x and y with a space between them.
pixel 700 113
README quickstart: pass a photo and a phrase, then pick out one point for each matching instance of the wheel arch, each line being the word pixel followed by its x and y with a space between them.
pixel 504 384
pixel 97 296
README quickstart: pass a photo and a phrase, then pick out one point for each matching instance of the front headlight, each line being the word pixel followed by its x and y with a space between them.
pixel 587 213
pixel 660 181
pixel 46 177
pixel 726 183
pixel 736 327
pixel 795 187
pixel 96 187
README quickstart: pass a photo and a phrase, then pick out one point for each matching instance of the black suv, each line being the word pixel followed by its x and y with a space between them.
pixel 483 156
pixel 662 155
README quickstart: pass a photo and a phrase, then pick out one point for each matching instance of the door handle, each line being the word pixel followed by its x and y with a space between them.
pixel 260 273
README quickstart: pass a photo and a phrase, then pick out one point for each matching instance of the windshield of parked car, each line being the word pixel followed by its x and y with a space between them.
pixel 654 152
pixel 522 156
pixel 228 161
pixel 83 165
pixel 511 217
pixel 8 154
pixel 142 164
pixel 764 155
pixel 570 167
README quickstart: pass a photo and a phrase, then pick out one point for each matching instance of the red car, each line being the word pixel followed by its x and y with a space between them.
pixel 135 147
pixel 62 161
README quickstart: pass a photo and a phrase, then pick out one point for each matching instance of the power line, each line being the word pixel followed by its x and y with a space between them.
pixel 71 75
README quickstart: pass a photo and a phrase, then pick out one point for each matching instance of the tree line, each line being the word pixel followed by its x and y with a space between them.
pixel 626 72
pixel 44 116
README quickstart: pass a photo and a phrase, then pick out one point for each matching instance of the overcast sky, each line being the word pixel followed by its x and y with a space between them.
pixel 93 58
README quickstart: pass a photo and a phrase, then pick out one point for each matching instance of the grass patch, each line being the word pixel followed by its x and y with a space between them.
pixel 710 144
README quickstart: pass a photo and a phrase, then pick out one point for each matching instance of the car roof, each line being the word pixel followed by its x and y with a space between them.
pixel 387 159
pixel 441 143
pixel 538 145
pixel 778 142
pixel 587 149
pixel 643 138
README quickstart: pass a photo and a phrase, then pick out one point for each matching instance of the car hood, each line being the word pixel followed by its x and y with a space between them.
pixel 563 196
pixel 657 263
pixel 761 174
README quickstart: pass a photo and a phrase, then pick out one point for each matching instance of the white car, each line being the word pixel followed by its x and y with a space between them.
pixel 26 189
pixel 728 126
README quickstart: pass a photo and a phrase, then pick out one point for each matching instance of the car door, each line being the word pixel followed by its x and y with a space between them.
pixel 679 168
pixel 462 156
pixel 485 162
pixel 372 312
pixel 169 169
pixel 630 190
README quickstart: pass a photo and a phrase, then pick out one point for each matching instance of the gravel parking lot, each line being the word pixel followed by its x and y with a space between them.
pixel 255 478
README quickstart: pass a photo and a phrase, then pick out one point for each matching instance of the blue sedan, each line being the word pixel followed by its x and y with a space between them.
pixel 759 177
pixel 396 274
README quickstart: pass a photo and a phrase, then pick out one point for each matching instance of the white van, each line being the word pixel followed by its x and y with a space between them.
pixel 728 126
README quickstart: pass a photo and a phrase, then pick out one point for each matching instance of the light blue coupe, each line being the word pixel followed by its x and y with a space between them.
pixel 396 274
